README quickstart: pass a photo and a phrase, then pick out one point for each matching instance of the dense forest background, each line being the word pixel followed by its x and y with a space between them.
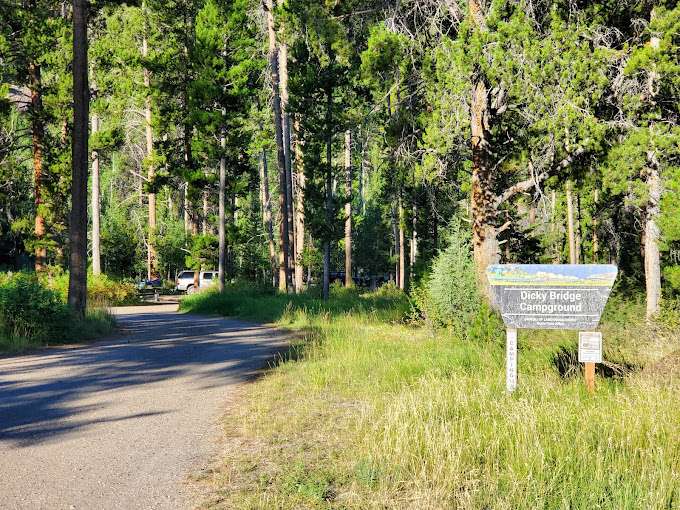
pixel 293 141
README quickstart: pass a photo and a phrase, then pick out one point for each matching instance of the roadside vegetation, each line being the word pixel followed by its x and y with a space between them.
pixel 33 310
pixel 377 406
pixel 293 144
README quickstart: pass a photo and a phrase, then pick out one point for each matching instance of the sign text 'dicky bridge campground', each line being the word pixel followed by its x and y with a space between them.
pixel 557 296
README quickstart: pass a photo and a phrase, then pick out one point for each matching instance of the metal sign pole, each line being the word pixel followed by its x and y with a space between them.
pixel 511 360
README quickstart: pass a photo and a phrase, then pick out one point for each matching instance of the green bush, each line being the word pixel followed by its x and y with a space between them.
pixel 30 312
pixel 102 290
pixel 448 296
pixel 672 276
pixel 105 291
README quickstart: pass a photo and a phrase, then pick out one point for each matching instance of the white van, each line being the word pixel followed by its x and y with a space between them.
pixel 185 280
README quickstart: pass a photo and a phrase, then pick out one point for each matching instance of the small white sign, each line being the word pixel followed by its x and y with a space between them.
pixel 511 360
pixel 589 347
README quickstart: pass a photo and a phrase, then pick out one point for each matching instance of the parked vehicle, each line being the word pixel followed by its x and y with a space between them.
pixel 154 283
pixel 185 281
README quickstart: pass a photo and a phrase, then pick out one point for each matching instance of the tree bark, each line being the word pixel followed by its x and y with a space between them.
pixel 37 140
pixel 348 209
pixel 596 226
pixel 556 239
pixel 285 124
pixel 651 238
pixel 96 205
pixel 577 228
pixel 77 290
pixel 300 209
pixel 221 213
pixel 284 272
pixel 152 262
pixel 267 215
pixel 395 234
pixel 204 217
pixel 362 176
pixel 329 194
pixel 402 245
pixel 414 238
pixel 571 234
pixel 486 249
pixel 653 209
pixel 186 207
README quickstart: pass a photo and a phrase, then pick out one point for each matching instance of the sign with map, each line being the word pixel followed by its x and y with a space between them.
pixel 551 296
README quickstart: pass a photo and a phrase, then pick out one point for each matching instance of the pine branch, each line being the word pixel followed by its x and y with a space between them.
pixel 535 180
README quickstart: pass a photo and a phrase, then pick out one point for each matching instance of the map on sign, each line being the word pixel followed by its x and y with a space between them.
pixel 551 296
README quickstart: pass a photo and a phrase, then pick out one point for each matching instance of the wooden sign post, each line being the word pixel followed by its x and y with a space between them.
pixel 589 353
pixel 590 376
pixel 552 296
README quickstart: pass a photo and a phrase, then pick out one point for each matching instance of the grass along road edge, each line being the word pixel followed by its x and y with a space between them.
pixel 369 411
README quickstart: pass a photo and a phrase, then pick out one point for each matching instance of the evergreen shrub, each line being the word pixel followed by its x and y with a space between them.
pixel 447 296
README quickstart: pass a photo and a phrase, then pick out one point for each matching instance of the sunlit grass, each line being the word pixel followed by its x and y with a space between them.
pixel 378 413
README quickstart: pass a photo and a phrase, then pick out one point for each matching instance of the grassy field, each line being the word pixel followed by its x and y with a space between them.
pixel 374 411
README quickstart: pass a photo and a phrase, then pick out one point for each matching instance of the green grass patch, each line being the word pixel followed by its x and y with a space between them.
pixel 374 412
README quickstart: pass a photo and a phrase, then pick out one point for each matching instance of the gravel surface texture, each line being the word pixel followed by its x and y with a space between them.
pixel 124 422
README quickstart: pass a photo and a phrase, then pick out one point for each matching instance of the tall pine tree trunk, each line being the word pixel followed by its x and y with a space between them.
pixel 577 227
pixel 486 248
pixel 348 209
pixel 267 215
pixel 192 212
pixel 571 228
pixel 596 226
pixel 222 256
pixel 186 207
pixel 554 230
pixel 77 290
pixel 300 208
pixel 96 205
pixel 152 263
pixel 37 141
pixel 329 194
pixel 362 175
pixel 653 209
pixel 402 245
pixel 395 235
pixel 414 239
pixel 204 218
pixel 651 237
pixel 284 272
pixel 285 124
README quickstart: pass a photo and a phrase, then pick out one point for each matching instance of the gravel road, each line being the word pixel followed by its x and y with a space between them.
pixel 122 423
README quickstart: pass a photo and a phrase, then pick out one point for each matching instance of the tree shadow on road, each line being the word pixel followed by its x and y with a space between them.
pixel 42 395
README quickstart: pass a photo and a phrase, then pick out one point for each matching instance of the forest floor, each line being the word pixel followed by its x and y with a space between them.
pixel 120 423
pixel 372 410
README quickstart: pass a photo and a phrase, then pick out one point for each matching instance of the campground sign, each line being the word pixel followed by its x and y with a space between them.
pixel 556 296
pixel 549 296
